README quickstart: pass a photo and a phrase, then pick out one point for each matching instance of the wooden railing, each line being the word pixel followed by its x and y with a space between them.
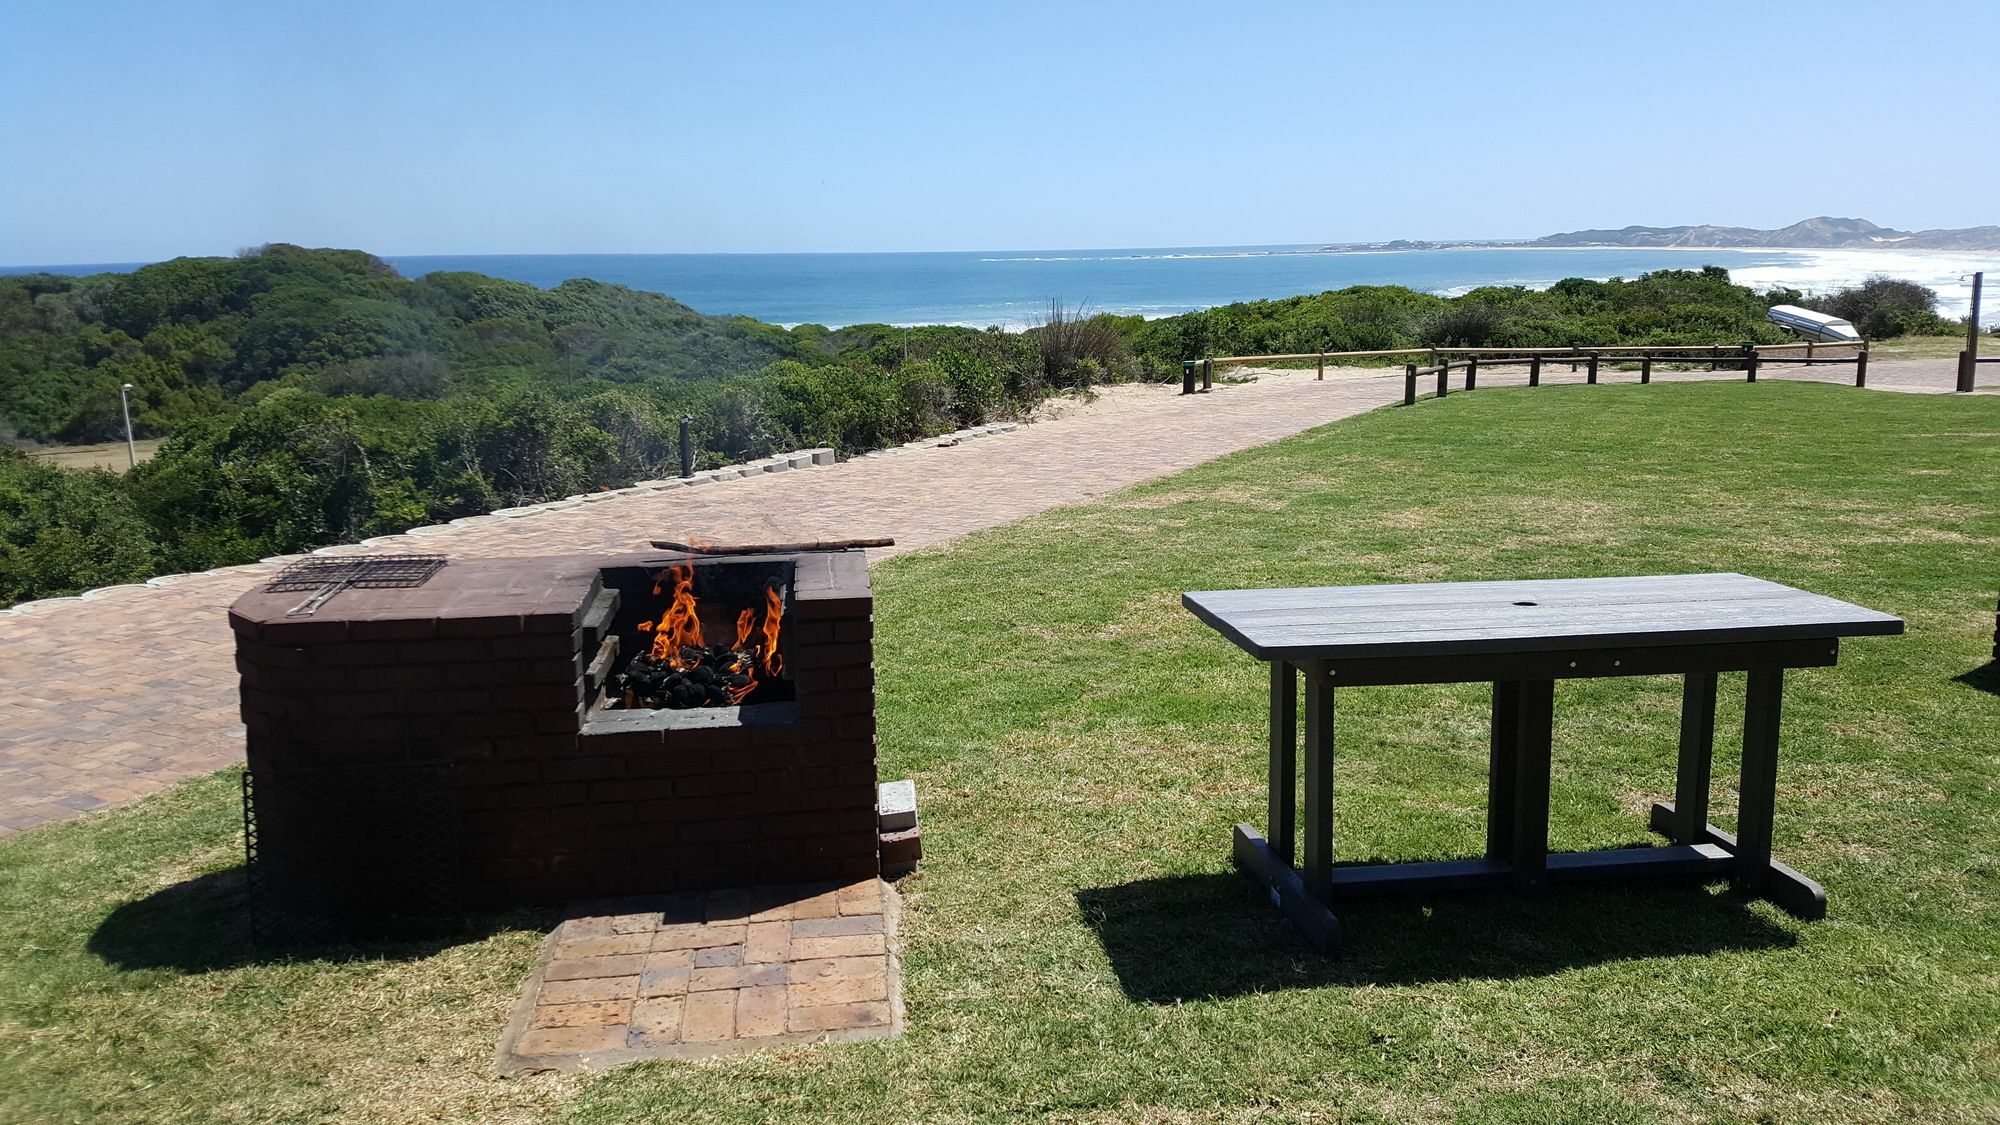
pixel 1443 361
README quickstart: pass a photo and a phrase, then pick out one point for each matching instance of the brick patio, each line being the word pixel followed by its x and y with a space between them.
pixel 709 973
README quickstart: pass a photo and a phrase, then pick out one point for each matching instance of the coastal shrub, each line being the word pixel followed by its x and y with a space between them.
pixel 1885 307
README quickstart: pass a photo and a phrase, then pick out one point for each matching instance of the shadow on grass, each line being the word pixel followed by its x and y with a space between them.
pixel 1191 937
pixel 205 924
pixel 1984 678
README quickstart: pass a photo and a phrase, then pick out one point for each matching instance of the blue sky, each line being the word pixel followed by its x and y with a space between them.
pixel 136 131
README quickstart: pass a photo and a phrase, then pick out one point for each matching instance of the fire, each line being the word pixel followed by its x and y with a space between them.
pixel 774 610
pixel 678 646
pixel 681 625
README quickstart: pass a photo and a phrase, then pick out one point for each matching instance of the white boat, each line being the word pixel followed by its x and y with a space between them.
pixel 1811 325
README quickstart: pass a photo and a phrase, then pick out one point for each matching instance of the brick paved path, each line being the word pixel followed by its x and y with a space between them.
pixel 106 699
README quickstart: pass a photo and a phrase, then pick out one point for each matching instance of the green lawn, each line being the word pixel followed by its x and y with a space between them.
pixel 1077 946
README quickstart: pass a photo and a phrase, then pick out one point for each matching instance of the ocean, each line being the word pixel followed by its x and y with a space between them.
pixel 1016 288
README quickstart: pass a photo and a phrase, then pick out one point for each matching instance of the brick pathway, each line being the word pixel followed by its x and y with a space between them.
pixel 705 973
pixel 134 688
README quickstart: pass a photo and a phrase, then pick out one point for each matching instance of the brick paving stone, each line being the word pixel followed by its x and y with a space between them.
pixel 696 937
pixel 594 967
pixel 838 968
pixel 587 988
pixel 851 945
pixel 760 1012
pixel 718 955
pixel 838 1017
pixel 709 1016
pixel 657 1022
pixel 590 1013
pixel 838 927
pixel 610 946
pixel 57 705
pixel 570 1040
pixel 768 941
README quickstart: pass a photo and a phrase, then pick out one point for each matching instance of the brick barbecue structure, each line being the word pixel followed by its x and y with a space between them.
pixel 454 745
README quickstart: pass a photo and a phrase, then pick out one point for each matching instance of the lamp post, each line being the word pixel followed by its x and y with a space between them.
pixel 125 408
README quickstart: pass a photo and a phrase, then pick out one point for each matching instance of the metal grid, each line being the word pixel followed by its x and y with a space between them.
pixel 350 850
pixel 366 572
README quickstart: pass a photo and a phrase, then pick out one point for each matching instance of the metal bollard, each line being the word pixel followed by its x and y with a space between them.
pixel 1207 374
pixel 1590 370
pixel 687 446
pixel 1645 369
pixel 1471 373
pixel 1409 384
pixel 1444 379
pixel 1535 372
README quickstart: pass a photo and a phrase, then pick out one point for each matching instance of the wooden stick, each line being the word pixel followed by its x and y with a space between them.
pixel 771 548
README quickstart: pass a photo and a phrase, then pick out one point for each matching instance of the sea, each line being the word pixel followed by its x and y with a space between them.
pixel 1016 288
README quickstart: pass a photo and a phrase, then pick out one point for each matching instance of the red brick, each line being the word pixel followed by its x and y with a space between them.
pixel 482 625
pixel 720 784
pixel 583 769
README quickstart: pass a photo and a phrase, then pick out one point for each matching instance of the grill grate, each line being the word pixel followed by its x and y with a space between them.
pixel 363 572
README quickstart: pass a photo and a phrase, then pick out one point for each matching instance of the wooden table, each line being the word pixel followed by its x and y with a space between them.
pixel 1523 637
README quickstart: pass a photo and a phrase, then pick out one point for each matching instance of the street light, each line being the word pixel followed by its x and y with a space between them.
pixel 125 408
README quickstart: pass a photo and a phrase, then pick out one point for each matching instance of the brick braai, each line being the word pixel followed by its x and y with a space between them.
pixel 448 746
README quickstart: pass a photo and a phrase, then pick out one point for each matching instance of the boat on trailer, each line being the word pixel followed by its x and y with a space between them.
pixel 1809 325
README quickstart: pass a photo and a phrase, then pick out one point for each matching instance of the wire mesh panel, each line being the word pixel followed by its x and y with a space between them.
pixel 366 572
pixel 350 849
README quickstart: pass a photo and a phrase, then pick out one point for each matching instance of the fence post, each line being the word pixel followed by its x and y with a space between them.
pixel 1409 384
pixel 1750 363
pixel 1713 351
pixel 1645 369
pixel 687 446
pixel 1444 379
pixel 1208 374
pixel 1471 373
pixel 1590 369
pixel 1322 366
pixel 1535 371
pixel 1861 365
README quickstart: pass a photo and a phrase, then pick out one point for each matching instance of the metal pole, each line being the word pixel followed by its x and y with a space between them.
pixel 1968 360
pixel 687 446
pixel 125 408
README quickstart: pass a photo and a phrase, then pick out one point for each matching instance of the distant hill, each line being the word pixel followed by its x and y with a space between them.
pixel 1822 232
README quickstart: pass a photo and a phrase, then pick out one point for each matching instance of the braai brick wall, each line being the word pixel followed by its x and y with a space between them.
pixel 451 727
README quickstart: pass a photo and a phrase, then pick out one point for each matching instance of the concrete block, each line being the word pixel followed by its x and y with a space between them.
pixel 896 805
pixel 821 456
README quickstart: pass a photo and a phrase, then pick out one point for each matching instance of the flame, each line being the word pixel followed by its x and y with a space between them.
pixel 681 624
pixel 678 641
pixel 774 611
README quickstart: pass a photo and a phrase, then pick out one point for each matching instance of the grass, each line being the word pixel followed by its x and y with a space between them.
pixel 1076 944
pixel 1931 347
pixel 113 456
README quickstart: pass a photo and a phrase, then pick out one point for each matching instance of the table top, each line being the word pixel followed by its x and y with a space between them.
pixel 1541 615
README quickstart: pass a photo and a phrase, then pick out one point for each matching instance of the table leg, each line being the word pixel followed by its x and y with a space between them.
pixel 1317 823
pixel 1533 736
pixel 1284 759
pixel 1758 789
pixel 1500 769
pixel 1690 820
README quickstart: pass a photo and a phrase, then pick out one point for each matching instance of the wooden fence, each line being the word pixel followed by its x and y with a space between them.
pixel 1443 361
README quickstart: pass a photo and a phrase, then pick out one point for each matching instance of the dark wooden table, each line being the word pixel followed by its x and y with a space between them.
pixel 1523 637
